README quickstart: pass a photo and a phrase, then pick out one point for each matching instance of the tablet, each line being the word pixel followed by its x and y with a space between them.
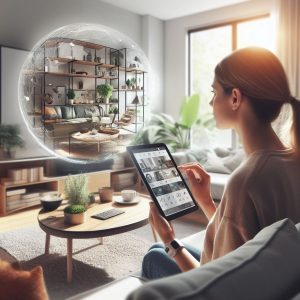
pixel 163 180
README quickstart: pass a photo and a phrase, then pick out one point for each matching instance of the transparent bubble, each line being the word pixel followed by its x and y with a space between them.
pixel 83 92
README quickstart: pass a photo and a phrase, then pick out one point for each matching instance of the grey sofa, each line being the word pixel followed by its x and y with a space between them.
pixel 61 120
pixel 265 268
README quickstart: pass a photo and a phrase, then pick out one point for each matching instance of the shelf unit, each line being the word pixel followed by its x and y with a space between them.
pixel 53 68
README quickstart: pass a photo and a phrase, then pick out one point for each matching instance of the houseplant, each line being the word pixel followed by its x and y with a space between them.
pixel 78 198
pixel 9 139
pixel 105 91
pixel 71 96
pixel 162 128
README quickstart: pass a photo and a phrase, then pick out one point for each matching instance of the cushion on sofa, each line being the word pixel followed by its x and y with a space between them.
pixel 50 113
pixel 79 112
pixel 58 111
pixel 92 111
pixel 67 112
pixel 266 267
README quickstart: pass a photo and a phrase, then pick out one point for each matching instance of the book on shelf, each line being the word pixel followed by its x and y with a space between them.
pixel 13 197
pixel 15 192
pixel 30 195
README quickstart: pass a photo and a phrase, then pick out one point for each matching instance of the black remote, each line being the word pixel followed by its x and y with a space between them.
pixel 108 214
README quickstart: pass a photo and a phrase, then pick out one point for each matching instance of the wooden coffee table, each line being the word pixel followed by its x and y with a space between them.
pixel 52 223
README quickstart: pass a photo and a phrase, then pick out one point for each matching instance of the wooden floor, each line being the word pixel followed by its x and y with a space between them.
pixel 19 219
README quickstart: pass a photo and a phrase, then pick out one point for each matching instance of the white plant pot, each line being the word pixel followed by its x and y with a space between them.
pixel 75 219
pixel 71 101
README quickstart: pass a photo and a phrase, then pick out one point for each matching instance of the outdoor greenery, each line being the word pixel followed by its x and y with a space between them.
pixel 10 138
pixel 76 189
pixel 162 128
pixel 75 209
pixel 105 90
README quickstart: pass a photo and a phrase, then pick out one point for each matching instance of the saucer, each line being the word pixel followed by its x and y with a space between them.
pixel 120 200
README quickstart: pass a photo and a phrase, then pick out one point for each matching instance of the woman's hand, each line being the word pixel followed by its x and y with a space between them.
pixel 161 225
pixel 199 182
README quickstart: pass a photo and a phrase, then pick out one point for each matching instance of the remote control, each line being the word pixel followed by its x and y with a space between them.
pixel 108 214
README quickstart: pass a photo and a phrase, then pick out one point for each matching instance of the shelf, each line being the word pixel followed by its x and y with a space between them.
pixel 34 114
pixel 50 43
pixel 28 183
pixel 138 71
pixel 127 90
pixel 68 74
pixel 21 208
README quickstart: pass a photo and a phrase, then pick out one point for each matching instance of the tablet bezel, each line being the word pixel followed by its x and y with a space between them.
pixel 131 150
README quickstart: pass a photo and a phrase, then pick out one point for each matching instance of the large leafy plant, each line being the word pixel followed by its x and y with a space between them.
pixel 162 128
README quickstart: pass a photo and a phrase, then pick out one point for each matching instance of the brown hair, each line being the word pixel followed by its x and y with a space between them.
pixel 260 76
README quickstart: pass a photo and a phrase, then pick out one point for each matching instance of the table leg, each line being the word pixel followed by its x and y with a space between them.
pixel 47 243
pixel 98 147
pixel 69 259
pixel 100 240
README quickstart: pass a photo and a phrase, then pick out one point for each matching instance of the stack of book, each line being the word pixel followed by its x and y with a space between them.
pixel 20 176
pixel 17 198
pixel 122 181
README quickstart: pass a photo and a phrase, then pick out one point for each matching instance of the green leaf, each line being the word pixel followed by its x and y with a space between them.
pixel 189 110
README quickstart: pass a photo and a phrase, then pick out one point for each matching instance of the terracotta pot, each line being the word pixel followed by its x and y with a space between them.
pixel 75 219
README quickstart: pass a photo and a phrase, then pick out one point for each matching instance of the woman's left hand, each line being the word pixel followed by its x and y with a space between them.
pixel 161 225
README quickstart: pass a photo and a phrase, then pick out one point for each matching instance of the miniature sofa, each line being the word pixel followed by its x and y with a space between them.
pixel 265 268
pixel 61 120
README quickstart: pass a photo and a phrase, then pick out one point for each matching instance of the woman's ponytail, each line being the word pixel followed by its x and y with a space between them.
pixel 295 130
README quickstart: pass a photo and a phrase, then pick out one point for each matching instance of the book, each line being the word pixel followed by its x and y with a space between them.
pixel 15 174
pixel 15 192
pixel 13 197
pixel 30 195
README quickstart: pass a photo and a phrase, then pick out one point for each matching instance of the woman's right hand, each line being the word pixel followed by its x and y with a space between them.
pixel 199 182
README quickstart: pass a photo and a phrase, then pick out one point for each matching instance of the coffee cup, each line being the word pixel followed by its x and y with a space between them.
pixel 106 194
pixel 128 195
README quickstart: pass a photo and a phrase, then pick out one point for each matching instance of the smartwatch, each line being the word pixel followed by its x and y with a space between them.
pixel 173 247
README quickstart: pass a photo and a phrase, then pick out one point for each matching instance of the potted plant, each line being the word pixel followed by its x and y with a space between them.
pixel 117 57
pixel 133 83
pixel 163 128
pixel 71 96
pixel 113 110
pixel 9 139
pixel 105 90
pixel 128 83
pixel 78 198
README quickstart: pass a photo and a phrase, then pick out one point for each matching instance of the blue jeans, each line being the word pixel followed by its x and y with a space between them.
pixel 157 263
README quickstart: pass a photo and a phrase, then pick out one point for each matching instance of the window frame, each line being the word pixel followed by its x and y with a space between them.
pixel 234 25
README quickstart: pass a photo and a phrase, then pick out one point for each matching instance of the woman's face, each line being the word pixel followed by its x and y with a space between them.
pixel 222 111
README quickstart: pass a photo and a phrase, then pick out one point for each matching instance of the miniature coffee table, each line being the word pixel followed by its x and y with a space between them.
pixel 88 137
pixel 52 223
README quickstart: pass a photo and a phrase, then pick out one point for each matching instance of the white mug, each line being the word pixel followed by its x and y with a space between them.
pixel 128 195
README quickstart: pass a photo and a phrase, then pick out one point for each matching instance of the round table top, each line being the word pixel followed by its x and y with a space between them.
pixel 98 137
pixel 135 216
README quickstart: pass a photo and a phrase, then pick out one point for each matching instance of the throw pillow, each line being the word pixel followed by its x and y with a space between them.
pixel 50 113
pixel 265 268
pixel 67 112
pixel 19 284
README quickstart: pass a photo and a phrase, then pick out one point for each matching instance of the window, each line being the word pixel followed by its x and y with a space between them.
pixel 207 46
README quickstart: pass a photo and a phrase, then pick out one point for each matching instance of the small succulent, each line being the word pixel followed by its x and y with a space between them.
pixel 75 209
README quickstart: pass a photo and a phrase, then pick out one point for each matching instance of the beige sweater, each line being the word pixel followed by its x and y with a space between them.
pixel 264 189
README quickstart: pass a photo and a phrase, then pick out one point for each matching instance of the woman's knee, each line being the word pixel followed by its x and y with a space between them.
pixel 157 246
pixel 152 262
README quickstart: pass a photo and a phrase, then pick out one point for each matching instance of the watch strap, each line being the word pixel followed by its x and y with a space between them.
pixel 173 247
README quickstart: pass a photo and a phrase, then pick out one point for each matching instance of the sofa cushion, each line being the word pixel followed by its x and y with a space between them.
pixel 92 111
pixel 50 113
pixel 80 112
pixel 68 112
pixel 266 267
pixel 58 111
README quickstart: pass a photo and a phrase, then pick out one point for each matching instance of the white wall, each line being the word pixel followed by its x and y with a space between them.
pixel 176 45
pixel 153 45
pixel 23 23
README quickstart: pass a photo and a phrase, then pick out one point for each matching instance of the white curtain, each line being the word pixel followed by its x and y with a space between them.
pixel 287 15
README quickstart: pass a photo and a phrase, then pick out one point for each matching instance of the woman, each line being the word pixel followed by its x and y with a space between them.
pixel 249 90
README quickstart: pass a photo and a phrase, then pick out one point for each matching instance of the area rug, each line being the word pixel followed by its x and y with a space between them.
pixel 93 264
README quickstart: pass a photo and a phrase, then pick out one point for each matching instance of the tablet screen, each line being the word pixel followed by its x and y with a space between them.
pixel 162 177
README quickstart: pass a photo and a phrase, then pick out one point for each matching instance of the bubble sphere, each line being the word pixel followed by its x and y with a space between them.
pixel 82 92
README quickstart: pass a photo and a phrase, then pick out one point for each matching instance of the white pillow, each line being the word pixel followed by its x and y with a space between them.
pixel 265 268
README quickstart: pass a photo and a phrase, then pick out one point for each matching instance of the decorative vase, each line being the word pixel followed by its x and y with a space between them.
pixel 75 219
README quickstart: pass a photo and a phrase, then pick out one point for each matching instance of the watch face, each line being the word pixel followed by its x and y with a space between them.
pixel 175 244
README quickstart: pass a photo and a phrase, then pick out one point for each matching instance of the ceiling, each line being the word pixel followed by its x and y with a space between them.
pixel 170 9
